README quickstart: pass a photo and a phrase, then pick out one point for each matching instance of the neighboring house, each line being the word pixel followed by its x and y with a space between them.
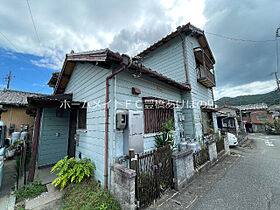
pixel 258 118
pixel 255 116
pixel 227 119
pixel 275 110
pixel 104 104
pixel 13 111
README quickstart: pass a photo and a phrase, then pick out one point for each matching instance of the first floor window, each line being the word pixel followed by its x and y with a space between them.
pixel 156 112
pixel 82 118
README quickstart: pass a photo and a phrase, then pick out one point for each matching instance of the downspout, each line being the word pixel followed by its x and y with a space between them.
pixel 124 64
pixel 184 55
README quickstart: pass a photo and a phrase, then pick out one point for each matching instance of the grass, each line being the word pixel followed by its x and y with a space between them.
pixel 88 195
pixel 30 191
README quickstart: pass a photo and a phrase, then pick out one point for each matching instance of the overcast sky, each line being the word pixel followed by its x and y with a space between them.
pixel 32 54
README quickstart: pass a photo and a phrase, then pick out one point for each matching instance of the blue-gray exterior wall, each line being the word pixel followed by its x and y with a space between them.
pixel 200 95
pixel 53 139
pixel 87 83
pixel 168 60
pixel 149 88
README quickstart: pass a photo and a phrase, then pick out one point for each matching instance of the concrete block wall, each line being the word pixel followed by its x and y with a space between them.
pixel 123 186
pixel 183 168
pixel 212 151
pixel 226 142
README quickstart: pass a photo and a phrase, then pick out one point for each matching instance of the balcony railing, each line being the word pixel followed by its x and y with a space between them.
pixel 205 77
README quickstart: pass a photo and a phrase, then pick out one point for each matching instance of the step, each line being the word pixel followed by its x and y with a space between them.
pixel 49 200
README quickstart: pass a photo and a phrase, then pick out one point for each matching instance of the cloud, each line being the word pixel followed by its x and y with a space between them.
pixel 257 87
pixel 39 85
pixel 127 26
pixel 239 63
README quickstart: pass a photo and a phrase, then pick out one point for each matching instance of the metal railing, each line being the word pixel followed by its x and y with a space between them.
pixel 200 157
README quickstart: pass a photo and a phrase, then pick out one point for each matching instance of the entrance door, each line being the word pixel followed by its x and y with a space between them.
pixel 72 132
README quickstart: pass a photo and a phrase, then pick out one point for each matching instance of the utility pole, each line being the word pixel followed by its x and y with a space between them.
pixel 277 57
pixel 277 80
pixel 9 80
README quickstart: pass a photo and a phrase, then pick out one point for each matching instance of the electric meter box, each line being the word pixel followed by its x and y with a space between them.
pixel 121 120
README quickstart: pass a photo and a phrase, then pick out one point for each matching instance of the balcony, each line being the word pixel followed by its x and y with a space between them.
pixel 205 77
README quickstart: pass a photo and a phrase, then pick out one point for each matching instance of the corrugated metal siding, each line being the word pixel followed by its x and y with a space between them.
pixel 53 148
pixel 17 116
pixel 149 88
pixel 168 60
pixel 87 83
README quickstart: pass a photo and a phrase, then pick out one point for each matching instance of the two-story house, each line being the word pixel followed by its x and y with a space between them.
pixel 105 103
pixel 185 56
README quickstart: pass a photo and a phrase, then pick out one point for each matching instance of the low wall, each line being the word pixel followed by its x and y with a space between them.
pixel 212 151
pixel 226 145
pixel 123 186
pixel 183 168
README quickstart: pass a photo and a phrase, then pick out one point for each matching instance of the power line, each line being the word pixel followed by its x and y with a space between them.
pixel 15 48
pixel 238 39
pixel 10 42
pixel 34 26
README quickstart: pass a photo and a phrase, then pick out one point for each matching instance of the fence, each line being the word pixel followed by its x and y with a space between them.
pixel 154 175
pixel 220 145
pixel 200 157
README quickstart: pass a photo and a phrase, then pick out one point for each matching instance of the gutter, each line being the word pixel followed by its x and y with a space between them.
pixel 184 55
pixel 125 62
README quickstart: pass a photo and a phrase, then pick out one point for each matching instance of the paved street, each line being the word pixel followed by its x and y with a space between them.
pixel 247 179
pixel 253 182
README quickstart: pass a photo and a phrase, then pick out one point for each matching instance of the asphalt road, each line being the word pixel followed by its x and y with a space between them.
pixel 253 181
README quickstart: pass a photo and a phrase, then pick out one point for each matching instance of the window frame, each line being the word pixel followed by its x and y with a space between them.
pixel 157 108
pixel 82 122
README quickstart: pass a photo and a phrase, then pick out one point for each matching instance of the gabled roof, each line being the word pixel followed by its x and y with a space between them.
pixel 16 97
pixel 104 58
pixel 187 29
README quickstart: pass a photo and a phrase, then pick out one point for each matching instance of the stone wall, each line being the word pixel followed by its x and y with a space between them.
pixel 212 151
pixel 123 186
pixel 183 168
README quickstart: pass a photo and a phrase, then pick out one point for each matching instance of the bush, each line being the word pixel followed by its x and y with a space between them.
pixel 72 170
pixel 88 195
pixel 166 138
pixel 30 191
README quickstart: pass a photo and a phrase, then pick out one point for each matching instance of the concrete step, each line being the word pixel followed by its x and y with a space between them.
pixel 49 200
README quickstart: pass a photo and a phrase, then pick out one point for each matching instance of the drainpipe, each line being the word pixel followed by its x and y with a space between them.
pixel 125 62
pixel 184 55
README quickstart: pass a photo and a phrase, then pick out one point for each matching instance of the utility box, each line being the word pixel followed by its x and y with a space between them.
pixel 135 131
pixel 121 120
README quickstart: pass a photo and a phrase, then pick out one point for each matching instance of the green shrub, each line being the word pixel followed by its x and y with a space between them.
pixel 72 170
pixel 88 195
pixel 30 191
pixel 166 138
pixel 220 138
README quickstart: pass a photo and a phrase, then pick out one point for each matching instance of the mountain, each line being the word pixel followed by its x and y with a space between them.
pixel 270 98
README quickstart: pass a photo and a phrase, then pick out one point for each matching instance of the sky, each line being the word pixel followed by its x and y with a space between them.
pixel 36 35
